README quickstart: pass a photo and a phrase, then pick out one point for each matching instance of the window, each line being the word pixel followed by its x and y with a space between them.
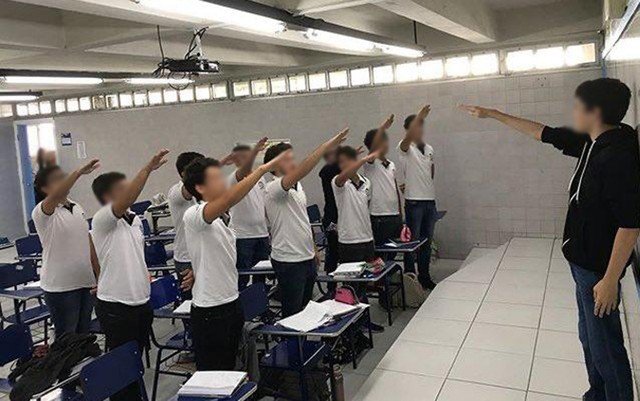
pixel 580 54
pixel 431 69
pixel 186 94
pixel 98 102
pixel 457 66
pixel 203 92
pixel 155 97
pixel 33 108
pixel 550 57
pixel 278 85
pixel 383 74
pixel 112 101
pixel 45 107
pixel 126 100
pixel 60 106
pixel 317 81
pixel 170 95
pixel 298 83
pixel 85 103
pixel 520 60
pixel 241 89
pixel 338 79
pixel 40 136
pixel 360 76
pixel 6 110
pixel 259 87
pixel 140 99
pixel 73 105
pixel 484 64
pixel 220 90
pixel 626 49
pixel 22 110
pixel 407 72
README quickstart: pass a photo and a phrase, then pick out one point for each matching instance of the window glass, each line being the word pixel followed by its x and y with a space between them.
pixel 338 79
pixel 186 94
pixel 431 69
pixel 60 106
pixel 360 76
pixel 45 107
pixel 580 54
pixel 317 81
pixel 33 108
pixel 22 110
pixel 73 105
pixel 484 64
pixel 241 89
pixel 278 85
pixel 155 97
pixel 112 101
pixel 6 110
pixel 457 66
pixel 170 95
pixel 520 60
pixel 298 83
pixel 550 57
pixel 126 100
pixel 259 87
pixel 383 74
pixel 140 99
pixel 203 92
pixel 407 72
pixel 220 90
pixel 85 103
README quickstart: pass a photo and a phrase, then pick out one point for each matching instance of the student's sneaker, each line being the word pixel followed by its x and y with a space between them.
pixel 186 357
pixel 429 285
pixel 376 328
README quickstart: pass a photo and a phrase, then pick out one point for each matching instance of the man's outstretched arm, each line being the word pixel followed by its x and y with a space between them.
pixel 528 127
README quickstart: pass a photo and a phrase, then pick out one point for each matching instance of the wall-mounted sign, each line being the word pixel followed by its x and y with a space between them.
pixel 65 139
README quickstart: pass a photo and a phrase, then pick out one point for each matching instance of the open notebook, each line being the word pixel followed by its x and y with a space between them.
pixel 317 314
pixel 353 269
pixel 209 384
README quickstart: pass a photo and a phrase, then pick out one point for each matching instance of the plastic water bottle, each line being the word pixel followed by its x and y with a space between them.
pixel 338 383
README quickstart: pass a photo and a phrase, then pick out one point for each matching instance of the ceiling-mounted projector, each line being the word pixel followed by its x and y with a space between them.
pixel 193 66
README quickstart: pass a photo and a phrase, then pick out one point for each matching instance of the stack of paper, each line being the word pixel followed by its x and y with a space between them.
pixel 263 265
pixel 209 384
pixel 337 309
pixel 353 269
pixel 317 314
pixel 183 309
pixel 398 243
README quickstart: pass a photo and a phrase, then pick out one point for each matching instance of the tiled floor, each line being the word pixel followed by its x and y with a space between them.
pixel 503 328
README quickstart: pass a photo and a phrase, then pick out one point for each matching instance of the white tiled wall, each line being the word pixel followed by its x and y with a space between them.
pixel 494 183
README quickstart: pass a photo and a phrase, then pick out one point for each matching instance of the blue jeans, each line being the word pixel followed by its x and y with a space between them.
pixel 603 344
pixel 70 310
pixel 421 218
pixel 295 281
pixel 250 252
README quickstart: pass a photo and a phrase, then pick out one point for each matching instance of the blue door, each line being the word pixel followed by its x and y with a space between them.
pixel 28 193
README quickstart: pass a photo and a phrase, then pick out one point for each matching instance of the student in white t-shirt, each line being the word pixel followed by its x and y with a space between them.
pixel 179 201
pixel 216 313
pixel 293 254
pixel 248 218
pixel 66 276
pixel 123 307
pixel 416 159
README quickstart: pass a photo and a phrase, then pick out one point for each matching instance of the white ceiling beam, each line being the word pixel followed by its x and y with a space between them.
pixel 471 20
pixel 330 5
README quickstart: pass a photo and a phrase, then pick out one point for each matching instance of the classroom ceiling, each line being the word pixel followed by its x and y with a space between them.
pixel 120 35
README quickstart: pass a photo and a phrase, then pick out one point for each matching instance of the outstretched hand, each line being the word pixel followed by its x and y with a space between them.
pixel 227 160
pixel 89 167
pixel 261 145
pixel 158 160
pixel 475 111
pixel 371 157
pixel 424 111
pixel 388 122
pixel 338 139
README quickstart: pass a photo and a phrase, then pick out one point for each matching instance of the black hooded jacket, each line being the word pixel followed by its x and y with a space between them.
pixel 604 192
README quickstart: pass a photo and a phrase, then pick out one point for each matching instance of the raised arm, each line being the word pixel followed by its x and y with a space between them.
pixel 528 127
pixel 246 169
pixel 233 195
pixel 377 139
pixel 411 133
pixel 136 185
pixel 290 180
pixel 343 177
pixel 59 193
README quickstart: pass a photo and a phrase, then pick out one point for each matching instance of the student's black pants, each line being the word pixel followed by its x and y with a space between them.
pixel 123 323
pixel 331 255
pixel 361 252
pixel 295 281
pixel 216 334
pixel 386 228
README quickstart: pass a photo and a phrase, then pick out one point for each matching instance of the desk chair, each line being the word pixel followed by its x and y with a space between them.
pixel 29 246
pixel 112 372
pixel 32 227
pixel 140 207
pixel 165 294
pixel 5 243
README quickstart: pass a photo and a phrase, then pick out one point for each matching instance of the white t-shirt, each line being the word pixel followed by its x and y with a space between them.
pixel 124 277
pixel 248 218
pixel 291 236
pixel 213 255
pixel 417 172
pixel 66 261
pixel 354 223
pixel 178 205
pixel 384 196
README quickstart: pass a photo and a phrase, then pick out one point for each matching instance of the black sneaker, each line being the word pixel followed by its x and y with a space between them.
pixel 429 285
pixel 376 328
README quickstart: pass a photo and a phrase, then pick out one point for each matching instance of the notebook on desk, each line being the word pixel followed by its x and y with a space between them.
pixel 210 384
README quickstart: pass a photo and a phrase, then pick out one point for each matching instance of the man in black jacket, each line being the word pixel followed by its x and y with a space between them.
pixel 602 224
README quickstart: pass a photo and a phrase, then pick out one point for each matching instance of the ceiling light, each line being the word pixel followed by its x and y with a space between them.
pixel 400 51
pixel 17 79
pixel 10 98
pixel 339 41
pixel 159 81
pixel 205 13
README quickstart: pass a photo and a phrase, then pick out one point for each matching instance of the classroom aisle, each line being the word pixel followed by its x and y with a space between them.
pixel 503 328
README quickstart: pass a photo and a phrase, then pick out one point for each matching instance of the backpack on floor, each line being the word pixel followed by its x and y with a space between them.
pixel 414 293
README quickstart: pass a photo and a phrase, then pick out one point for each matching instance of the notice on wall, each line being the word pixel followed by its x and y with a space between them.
pixel 81 149
pixel 65 139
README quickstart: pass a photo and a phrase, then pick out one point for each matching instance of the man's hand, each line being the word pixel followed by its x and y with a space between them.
pixel 89 167
pixel 476 111
pixel 605 294
pixel 388 122
pixel 228 160
pixel 371 157
pixel 187 280
pixel 273 163
pixel 424 112
pixel 360 150
pixel 158 160
pixel 260 145
pixel 338 139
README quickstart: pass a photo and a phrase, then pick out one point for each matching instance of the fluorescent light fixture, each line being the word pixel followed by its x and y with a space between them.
pixel 484 64
pixel 339 41
pixel 580 54
pixel 549 57
pixel 521 60
pixel 625 49
pixel 431 69
pixel 19 79
pixel 9 98
pixel 457 66
pixel 159 81
pixel 205 13
pixel 400 51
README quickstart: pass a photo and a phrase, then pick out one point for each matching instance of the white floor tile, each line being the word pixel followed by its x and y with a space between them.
pixel 474 274
pixel 559 319
pixel 509 314
pixel 561 280
pixel 520 278
pixel 560 298
pixel 457 290
pixel 530 247
pixel 515 294
pixel 560 265
pixel 492 337
pixel 531 396
pixel 492 368
pixel 417 358
pixel 450 309
pixel 454 390
pixel 559 345
pixel 384 385
pixel 436 331
pixel 551 376
pixel 529 264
